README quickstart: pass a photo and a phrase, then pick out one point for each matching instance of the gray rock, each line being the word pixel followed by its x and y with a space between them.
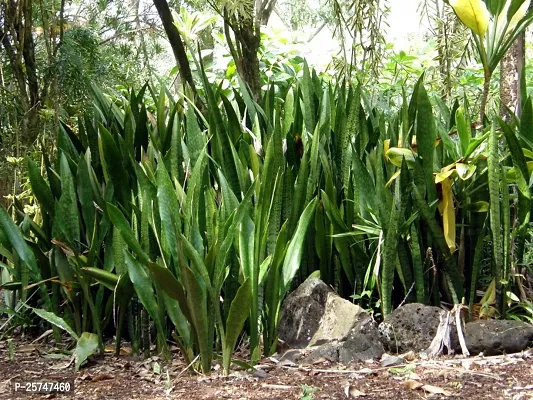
pixel 315 317
pixel 292 355
pixel 388 360
pixel 314 314
pixel 412 327
pixel 493 337
pixel 362 344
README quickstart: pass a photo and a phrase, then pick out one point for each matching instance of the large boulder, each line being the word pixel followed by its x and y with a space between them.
pixel 361 344
pixel 492 337
pixel 412 327
pixel 315 316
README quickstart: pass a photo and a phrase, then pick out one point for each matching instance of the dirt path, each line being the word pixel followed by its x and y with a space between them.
pixel 124 377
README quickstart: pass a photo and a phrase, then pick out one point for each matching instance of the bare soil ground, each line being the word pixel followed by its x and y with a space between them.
pixel 25 361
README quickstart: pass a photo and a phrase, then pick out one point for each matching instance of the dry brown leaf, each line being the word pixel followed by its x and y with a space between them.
pixel 276 387
pixel 409 356
pixel 102 377
pixel 353 392
pixel 436 390
pixel 412 384
pixel 26 348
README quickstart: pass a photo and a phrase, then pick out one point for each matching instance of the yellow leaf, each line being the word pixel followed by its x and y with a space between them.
pixel 443 175
pixel 473 13
pixel 386 145
pixel 393 177
pixel 396 154
pixel 490 294
pixel 465 171
pixel 448 213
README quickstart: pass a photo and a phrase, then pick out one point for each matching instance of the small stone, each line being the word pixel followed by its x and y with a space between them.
pixel 291 355
pixel 260 373
pixel 388 360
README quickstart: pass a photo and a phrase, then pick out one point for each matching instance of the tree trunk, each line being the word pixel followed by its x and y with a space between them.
pixel 248 62
pixel 177 45
pixel 244 51
pixel 510 72
pixel 17 41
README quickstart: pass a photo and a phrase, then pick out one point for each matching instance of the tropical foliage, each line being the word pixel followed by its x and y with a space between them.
pixel 186 216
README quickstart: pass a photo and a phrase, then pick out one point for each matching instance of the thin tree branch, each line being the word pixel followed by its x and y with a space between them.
pixel 118 35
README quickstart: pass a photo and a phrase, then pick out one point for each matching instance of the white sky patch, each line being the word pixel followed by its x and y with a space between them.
pixel 404 23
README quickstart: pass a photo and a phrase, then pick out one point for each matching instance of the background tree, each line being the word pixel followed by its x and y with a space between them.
pixel 244 20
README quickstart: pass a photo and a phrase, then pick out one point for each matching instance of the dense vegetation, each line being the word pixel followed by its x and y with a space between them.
pixel 156 215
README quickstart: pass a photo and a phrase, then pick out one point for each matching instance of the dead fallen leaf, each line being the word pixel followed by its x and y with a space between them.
pixel 276 387
pixel 436 390
pixel 409 356
pixel 45 334
pixel 414 376
pixel 26 348
pixel 412 384
pixel 123 351
pixel 102 377
pixel 353 392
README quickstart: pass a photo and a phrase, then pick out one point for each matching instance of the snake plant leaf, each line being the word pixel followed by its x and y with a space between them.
pixel 85 195
pixel 86 346
pixel 232 225
pixel 122 296
pixel 390 253
pixel 295 249
pixel 308 97
pixel 40 188
pixel 55 320
pixel 522 179
pixel 238 313
pixel 67 219
pixel 427 214
pixel 197 305
pixel 108 279
pixel 473 13
pixel 142 283
pixel 169 212
pixel 196 140
pixel 526 125
pixel 198 266
pixel 273 295
pixel 250 271
pixel 53 177
pixel 66 145
pixel 463 130
pixel 168 282
pixel 426 135
pixel 120 223
pixel 494 171
pixel 113 164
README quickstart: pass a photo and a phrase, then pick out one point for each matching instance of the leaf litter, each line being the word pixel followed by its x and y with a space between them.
pixel 128 377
